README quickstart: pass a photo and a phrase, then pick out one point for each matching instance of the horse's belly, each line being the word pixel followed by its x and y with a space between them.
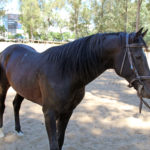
pixel 26 84
pixel 29 92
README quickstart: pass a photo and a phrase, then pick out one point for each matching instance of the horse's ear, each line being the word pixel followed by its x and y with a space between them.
pixel 138 33
pixel 144 33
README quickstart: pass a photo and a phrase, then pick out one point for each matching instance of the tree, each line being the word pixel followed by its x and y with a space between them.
pixel 2 13
pixel 85 17
pixel 60 23
pixel 113 15
pixel 139 3
pixel 2 30
pixel 120 15
pixel 74 16
pixel 80 17
pixel 98 14
pixel 2 4
pixel 109 15
pixel 30 16
pixel 49 15
pixel 85 26
pixel 126 15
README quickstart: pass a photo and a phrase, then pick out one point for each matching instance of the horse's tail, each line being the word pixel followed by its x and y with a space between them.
pixel 1 69
pixel 0 63
pixel 3 92
pixel 0 59
pixel 0 55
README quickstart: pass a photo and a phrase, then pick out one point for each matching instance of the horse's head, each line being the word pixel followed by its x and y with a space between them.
pixel 131 63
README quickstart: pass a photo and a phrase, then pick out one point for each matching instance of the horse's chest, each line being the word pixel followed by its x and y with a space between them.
pixel 71 102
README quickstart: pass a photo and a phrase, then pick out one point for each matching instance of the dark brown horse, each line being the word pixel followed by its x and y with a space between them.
pixel 56 78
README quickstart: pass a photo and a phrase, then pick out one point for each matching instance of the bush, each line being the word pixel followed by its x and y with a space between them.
pixel 2 29
pixel 19 36
pixel 11 37
pixel 56 36
pixel 51 36
pixel 66 36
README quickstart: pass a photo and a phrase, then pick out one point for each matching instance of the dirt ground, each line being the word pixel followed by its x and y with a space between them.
pixel 107 118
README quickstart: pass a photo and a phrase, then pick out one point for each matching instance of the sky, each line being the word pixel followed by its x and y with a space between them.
pixel 12 6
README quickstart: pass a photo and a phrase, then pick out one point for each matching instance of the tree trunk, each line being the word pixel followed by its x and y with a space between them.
pixel 76 23
pixel 101 26
pixel 30 33
pixel 139 3
pixel 126 15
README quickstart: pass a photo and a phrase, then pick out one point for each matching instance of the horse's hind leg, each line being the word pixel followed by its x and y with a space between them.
pixel 3 91
pixel 17 104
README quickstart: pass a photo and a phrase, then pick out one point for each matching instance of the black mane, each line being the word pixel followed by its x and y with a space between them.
pixel 80 56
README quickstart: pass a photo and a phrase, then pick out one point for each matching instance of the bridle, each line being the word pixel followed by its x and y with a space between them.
pixel 137 78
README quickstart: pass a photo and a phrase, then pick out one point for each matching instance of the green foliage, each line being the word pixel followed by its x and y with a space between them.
pixel 16 36
pixel 11 37
pixel 2 12
pixel 84 17
pixel 110 15
pixel 30 16
pixel 2 29
pixel 74 16
pixel 57 36
pixel 53 36
pixel 66 36
pixel 38 15
pixel 2 5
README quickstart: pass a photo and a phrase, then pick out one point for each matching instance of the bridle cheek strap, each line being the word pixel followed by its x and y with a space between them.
pixel 132 67
pixel 129 55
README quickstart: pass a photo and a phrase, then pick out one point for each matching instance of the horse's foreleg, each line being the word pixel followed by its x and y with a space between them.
pixel 61 126
pixel 17 103
pixel 50 123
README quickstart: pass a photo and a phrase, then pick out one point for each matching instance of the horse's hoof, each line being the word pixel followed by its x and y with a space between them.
pixel 1 133
pixel 20 133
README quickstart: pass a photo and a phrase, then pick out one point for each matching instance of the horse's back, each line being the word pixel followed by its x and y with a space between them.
pixel 15 52
pixel 23 46
pixel 18 48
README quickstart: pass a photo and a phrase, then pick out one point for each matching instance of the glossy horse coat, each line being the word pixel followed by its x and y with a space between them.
pixel 56 78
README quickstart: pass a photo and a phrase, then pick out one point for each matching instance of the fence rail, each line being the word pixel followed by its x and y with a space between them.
pixel 32 41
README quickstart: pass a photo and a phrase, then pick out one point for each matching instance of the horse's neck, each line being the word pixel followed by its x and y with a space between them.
pixel 100 66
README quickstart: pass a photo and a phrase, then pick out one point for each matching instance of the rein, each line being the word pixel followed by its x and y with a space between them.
pixel 133 68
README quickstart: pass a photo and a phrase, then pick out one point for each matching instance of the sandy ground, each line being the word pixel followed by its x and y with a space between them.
pixel 107 118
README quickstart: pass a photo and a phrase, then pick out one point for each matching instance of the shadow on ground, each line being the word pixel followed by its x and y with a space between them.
pixel 107 119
